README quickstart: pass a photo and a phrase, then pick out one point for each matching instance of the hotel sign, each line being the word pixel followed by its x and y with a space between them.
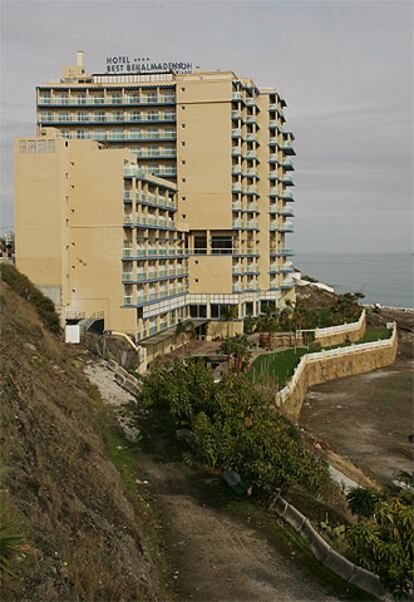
pixel 128 64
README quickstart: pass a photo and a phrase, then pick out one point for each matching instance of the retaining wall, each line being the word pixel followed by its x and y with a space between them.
pixel 338 564
pixel 321 367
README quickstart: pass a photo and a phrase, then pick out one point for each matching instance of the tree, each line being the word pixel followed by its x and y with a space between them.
pixel 238 348
pixel 181 329
pixel 228 313
pixel 384 544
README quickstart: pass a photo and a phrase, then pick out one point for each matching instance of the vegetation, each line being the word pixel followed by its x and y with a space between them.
pixel 238 349
pixel 384 544
pixel 362 502
pixel 235 426
pixel 25 289
pixel 276 368
pixel 292 318
pixel 11 541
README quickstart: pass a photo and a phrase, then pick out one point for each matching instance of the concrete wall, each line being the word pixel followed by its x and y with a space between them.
pixel 317 368
pixel 224 329
pixel 357 576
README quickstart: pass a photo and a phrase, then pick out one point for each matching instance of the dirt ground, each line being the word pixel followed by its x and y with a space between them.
pixel 214 555
pixel 369 417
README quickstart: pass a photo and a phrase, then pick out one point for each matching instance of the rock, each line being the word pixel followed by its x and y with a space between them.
pixel 187 436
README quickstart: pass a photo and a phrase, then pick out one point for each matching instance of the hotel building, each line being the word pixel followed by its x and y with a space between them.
pixel 153 198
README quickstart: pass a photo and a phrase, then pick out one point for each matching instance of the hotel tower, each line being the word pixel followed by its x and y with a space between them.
pixel 146 199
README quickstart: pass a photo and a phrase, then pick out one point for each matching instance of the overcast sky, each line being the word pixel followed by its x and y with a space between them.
pixel 344 67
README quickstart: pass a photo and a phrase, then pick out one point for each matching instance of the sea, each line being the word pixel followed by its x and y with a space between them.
pixel 385 278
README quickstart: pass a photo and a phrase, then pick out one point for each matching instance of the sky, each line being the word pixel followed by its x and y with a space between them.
pixel 345 69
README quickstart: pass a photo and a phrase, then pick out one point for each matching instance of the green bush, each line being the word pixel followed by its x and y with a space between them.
pixel 384 544
pixel 21 285
pixel 235 426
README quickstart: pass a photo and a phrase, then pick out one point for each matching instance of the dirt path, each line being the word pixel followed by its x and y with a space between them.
pixel 215 556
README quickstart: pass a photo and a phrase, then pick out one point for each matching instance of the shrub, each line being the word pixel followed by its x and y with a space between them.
pixel 235 426
pixel 384 544
pixel 21 285
pixel 362 501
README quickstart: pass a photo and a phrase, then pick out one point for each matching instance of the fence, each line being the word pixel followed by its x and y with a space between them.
pixel 322 366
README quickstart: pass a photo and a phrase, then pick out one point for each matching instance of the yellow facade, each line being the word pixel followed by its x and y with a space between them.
pixel 167 197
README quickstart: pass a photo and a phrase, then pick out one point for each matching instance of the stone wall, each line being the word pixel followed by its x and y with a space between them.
pixel 321 367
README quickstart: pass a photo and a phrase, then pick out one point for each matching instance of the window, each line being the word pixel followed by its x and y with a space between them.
pixel 182 89
pixel 182 143
pixel 200 244
pixel 22 147
pixel 31 147
pixel 198 311
pixel 221 244
pixel 41 147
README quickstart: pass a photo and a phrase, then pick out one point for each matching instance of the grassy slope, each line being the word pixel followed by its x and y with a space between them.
pixel 85 536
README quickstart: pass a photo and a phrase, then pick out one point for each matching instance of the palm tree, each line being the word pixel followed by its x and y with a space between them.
pixel 238 348
pixel 181 329
pixel 228 313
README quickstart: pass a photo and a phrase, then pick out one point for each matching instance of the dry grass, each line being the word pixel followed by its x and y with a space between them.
pixel 85 542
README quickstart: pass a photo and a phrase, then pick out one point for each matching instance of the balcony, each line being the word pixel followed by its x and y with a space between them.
pixel 250 102
pixel 237 288
pixel 274 141
pixel 273 175
pixel 153 154
pixel 236 170
pixel 252 154
pixel 288 165
pixel 250 190
pixel 152 200
pixel 236 133
pixel 237 96
pixel 287 148
pixel 251 138
pixel 287 227
pixel 252 207
pixel 287 283
pixel 236 206
pixel 287 196
pixel 236 151
pixel 93 119
pixel 129 300
pixel 251 173
pixel 275 125
pixel 236 187
pixel 236 115
pixel 127 197
pixel 237 270
pixel 251 119
pixel 287 213
pixel 288 181
pixel 107 101
pixel 281 253
pixel 273 192
pixel 274 159
pixel 273 210
pixel 287 267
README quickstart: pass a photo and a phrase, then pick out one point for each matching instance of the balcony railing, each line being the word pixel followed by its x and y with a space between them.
pixel 288 196
pixel 287 148
pixel 281 252
pixel 106 101
pixel 93 119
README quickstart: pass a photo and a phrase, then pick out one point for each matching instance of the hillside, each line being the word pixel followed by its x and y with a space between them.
pixel 83 539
